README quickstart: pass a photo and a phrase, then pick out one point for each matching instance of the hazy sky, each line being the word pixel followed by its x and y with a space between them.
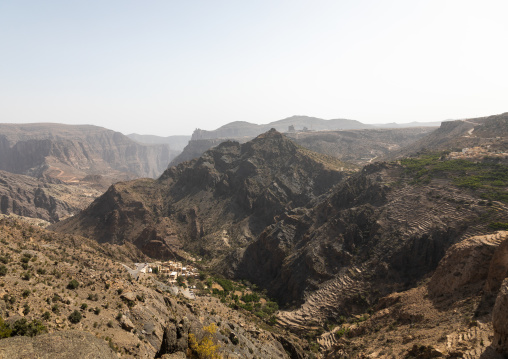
pixel 166 67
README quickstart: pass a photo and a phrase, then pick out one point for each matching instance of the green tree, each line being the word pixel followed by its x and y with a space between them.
pixel 75 317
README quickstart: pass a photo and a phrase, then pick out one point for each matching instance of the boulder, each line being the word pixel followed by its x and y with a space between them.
pixel 126 323
pixel 175 337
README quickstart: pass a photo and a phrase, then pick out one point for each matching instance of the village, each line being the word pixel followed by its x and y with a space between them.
pixel 171 269
pixel 478 153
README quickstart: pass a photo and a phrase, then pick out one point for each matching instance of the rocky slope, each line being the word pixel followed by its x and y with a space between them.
pixel 378 232
pixel 450 314
pixel 359 146
pixel 38 198
pixel 490 132
pixel 79 292
pixel 212 205
pixel 74 153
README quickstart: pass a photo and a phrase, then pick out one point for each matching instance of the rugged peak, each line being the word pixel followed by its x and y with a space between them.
pixel 232 188
pixel 270 143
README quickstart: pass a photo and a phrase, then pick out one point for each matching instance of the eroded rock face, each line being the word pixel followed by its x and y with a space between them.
pixel 498 270
pixel 62 345
pixel 68 152
pixel 500 319
pixel 37 198
pixel 466 265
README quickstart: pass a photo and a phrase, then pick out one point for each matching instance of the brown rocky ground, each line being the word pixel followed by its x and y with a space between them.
pixel 48 277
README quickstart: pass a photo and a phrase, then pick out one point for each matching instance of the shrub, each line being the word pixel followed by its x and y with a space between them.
pixel 26 276
pixel 499 226
pixel 23 327
pixel 5 329
pixel 253 297
pixel 205 348
pixel 75 317
pixel 26 293
pixel 73 284
pixel 3 270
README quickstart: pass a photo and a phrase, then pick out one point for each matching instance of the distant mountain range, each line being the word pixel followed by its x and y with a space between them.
pixel 71 153
pixel 247 130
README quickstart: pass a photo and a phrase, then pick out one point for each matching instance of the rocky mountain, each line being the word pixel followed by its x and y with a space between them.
pixel 212 205
pixel 355 146
pixel 400 259
pixel 240 129
pixel 39 198
pixel 176 143
pixel 488 132
pixel 72 153
pixel 380 231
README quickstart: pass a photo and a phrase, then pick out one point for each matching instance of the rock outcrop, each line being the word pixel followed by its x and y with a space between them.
pixel 466 266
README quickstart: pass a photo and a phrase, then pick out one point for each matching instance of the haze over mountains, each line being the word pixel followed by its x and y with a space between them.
pixel 365 258
pixel 68 166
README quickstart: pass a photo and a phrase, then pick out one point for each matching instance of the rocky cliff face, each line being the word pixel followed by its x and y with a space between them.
pixel 215 204
pixel 70 153
pixel 38 198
